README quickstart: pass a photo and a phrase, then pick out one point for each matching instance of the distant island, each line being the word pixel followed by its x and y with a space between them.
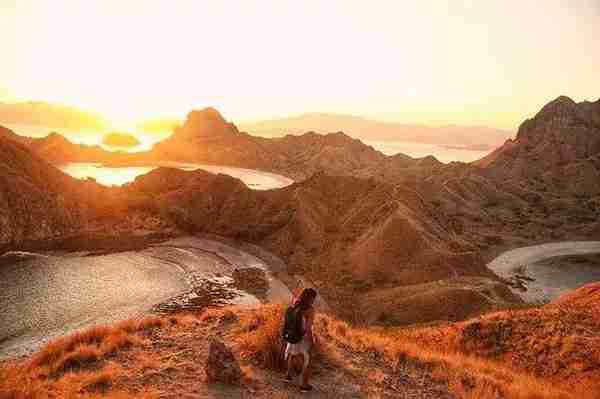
pixel 116 139
pixel 38 113
pixel 463 137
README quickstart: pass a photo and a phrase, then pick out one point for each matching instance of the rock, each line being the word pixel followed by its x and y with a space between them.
pixel 524 277
pixel 252 280
pixel 221 365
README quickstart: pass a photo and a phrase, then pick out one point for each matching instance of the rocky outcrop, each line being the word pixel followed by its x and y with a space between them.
pixel 221 365
pixel 208 138
pixel 557 150
pixel 207 123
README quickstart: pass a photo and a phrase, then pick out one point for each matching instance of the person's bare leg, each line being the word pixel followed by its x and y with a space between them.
pixel 306 369
pixel 290 366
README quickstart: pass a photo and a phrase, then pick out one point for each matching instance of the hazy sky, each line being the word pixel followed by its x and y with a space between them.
pixel 463 62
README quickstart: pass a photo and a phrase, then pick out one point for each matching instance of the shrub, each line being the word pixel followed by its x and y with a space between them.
pixel 260 336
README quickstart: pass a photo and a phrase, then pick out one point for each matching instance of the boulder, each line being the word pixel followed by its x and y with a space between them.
pixel 221 365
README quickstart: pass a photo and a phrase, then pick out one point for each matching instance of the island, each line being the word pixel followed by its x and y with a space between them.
pixel 116 139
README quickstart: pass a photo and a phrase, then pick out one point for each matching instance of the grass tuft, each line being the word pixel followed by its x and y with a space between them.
pixel 259 336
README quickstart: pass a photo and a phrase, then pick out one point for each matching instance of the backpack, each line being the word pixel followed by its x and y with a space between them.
pixel 293 328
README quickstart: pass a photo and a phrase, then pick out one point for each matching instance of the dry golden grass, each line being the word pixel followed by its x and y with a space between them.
pixel 259 335
pixel 85 364
pixel 76 365
pixel 467 376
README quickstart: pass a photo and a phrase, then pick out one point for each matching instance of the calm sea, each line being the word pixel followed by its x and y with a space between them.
pixel 419 150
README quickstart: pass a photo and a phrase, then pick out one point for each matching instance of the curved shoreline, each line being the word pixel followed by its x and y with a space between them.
pixel 522 262
pixel 103 288
pixel 124 172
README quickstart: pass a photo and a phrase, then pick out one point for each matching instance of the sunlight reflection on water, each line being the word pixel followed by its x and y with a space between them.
pixel 120 175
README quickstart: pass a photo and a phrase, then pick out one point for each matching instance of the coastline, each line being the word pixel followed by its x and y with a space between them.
pixel 188 273
pixel 523 267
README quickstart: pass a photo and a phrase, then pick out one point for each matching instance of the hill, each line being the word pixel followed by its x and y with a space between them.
pixel 34 197
pixel 388 232
pixel 558 149
pixel 558 342
pixel 234 352
pixel 350 236
pixel 41 207
pixel 206 137
pixel 541 186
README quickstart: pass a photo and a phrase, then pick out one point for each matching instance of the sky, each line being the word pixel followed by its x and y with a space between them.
pixel 433 62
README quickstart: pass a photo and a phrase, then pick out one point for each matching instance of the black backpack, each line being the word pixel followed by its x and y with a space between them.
pixel 293 328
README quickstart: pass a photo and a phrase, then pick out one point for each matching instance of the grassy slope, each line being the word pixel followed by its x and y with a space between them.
pixel 164 357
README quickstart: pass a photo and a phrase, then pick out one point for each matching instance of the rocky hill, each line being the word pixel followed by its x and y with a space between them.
pixel 386 232
pixel 558 150
pixel 543 185
pixel 35 198
pixel 352 237
pixel 40 205
pixel 56 149
pixel 390 241
pixel 207 138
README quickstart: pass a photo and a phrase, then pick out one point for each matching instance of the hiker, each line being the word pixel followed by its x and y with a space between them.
pixel 298 335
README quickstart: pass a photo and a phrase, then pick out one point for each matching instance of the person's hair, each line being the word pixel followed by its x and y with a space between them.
pixel 306 298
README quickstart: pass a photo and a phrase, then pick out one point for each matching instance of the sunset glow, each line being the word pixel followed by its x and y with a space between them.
pixel 435 62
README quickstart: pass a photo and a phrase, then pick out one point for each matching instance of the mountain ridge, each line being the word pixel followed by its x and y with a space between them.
pixel 367 129
pixel 353 211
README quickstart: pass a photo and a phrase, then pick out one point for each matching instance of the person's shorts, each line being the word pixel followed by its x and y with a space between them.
pixel 301 348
